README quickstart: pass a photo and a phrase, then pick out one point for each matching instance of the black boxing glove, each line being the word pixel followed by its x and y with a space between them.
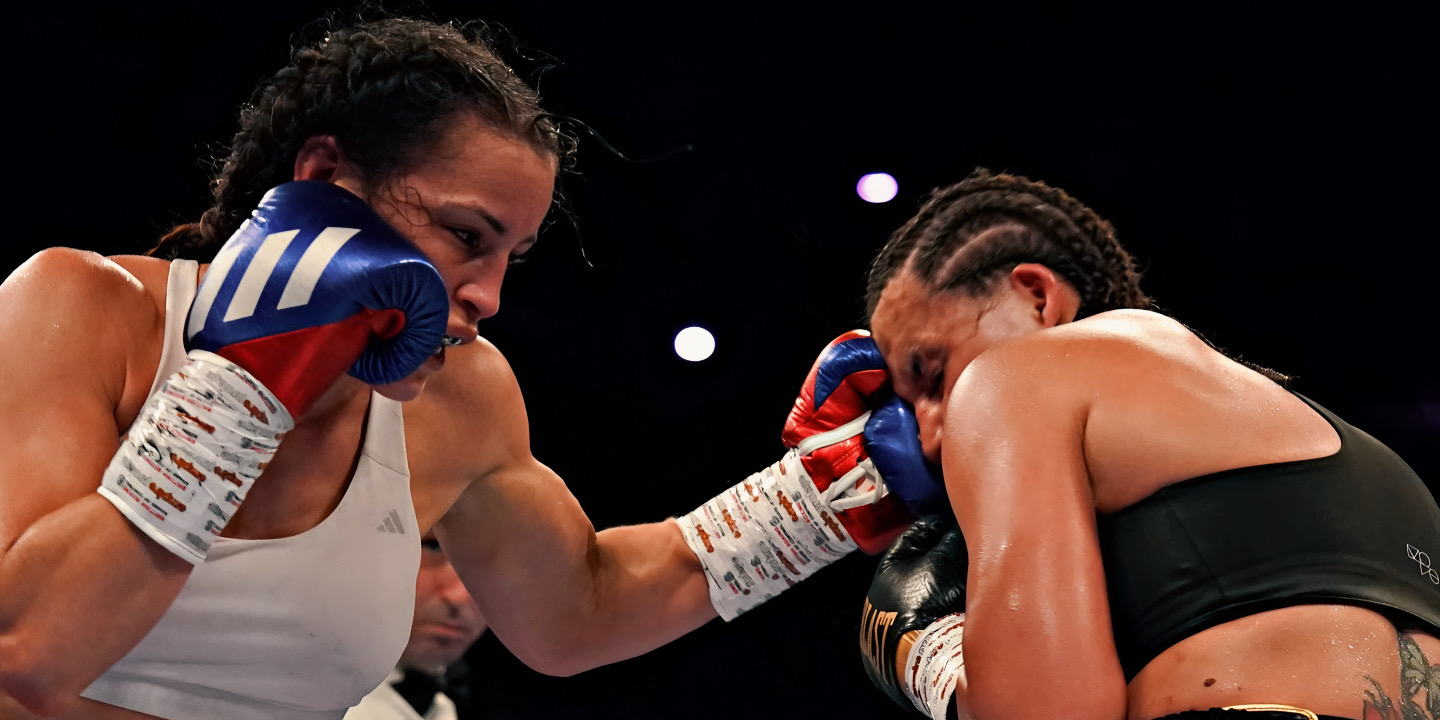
pixel 915 614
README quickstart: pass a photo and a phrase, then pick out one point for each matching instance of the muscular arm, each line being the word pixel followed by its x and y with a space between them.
pixel 562 597
pixel 79 585
pixel 1037 633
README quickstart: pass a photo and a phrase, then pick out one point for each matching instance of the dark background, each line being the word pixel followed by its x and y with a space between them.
pixel 1271 170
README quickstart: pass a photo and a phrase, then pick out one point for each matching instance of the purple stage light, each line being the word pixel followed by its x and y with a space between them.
pixel 877 188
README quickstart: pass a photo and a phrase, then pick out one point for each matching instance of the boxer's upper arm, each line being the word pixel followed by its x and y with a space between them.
pixel 71 324
pixel 560 596
pixel 514 532
pixel 1038 623
pixel 67 322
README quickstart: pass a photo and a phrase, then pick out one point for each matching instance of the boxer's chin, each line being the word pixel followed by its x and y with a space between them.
pixel 413 384
pixel 402 391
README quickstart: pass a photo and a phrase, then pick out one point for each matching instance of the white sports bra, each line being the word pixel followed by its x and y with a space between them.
pixel 294 628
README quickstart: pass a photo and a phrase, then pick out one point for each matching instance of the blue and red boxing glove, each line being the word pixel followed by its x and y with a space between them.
pixel 315 284
pixel 860 444
pixel 855 462
pixel 312 285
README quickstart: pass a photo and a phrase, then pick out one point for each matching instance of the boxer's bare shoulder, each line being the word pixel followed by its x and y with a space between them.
pixel 1156 403
pixel 92 311
pixel 1063 371
pixel 469 422
pixel 113 284
pixel 152 273
pixel 87 325
pixel 1111 343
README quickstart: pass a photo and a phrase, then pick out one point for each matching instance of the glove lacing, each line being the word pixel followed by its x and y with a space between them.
pixel 862 485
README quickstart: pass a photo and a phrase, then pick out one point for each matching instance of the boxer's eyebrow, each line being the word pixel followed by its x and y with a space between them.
pixel 491 220
pixel 494 222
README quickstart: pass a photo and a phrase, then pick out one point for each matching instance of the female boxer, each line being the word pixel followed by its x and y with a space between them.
pixel 203 515
pixel 1152 527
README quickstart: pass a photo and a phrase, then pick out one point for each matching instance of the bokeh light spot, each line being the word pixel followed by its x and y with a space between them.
pixel 694 343
pixel 877 188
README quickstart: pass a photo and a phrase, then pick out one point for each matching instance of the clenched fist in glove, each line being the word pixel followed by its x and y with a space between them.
pixel 313 285
pixel 854 465
pixel 914 619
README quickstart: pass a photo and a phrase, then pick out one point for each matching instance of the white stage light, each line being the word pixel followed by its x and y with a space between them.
pixel 694 343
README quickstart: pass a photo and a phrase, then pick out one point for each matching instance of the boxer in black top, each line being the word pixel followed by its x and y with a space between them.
pixel 1149 527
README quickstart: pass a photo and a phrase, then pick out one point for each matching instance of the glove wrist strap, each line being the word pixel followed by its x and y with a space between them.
pixel 935 666
pixel 193 453
pixel 762 536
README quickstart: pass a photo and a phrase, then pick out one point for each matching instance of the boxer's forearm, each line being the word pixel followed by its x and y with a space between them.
pixel 615 595
pixel 560 596
pixel 78 589
pixel 649 589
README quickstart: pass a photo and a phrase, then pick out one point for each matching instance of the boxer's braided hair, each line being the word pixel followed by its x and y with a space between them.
pixel 969 235
pixel 386 91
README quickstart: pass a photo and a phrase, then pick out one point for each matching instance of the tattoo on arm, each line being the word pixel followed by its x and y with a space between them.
pixel 1417 676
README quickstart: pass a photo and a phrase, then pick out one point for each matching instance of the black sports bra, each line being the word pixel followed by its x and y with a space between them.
pixel 1357 528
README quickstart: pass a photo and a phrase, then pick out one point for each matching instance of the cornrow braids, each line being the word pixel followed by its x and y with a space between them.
pixel 969 235
pixel 385 90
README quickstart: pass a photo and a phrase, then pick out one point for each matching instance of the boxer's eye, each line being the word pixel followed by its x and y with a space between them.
pixel 468 237
pixel 936 385
pixel 521 253
pixel 923 377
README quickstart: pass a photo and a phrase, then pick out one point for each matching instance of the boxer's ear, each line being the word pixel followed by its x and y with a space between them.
pixel 319 158
pixel 1055 301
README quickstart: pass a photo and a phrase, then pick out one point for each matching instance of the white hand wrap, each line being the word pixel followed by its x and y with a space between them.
pixel 935 666
pixel 763 535
pixel 193 453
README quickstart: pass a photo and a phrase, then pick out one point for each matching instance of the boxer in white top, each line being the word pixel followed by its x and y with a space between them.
pixel 119 600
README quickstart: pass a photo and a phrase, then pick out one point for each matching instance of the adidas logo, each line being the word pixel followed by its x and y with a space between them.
pixel 392 524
